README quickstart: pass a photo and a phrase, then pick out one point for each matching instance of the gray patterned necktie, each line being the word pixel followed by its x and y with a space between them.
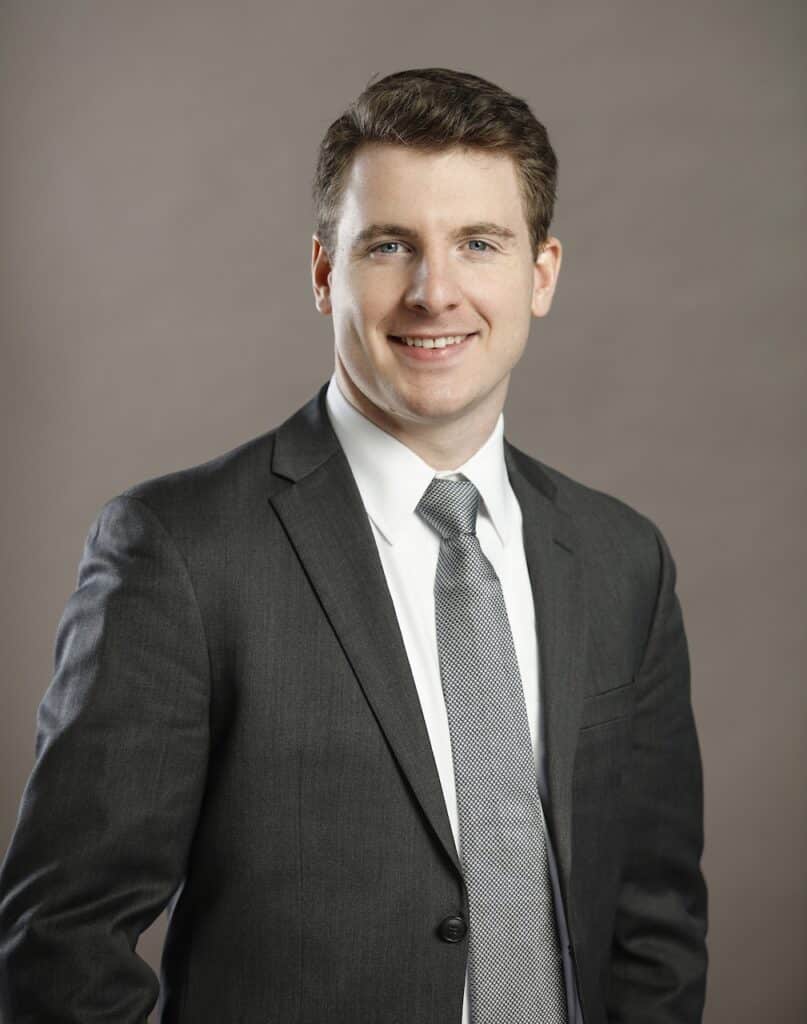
pixel 515 970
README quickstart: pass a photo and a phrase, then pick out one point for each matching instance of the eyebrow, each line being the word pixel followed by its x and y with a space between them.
pixel 483 227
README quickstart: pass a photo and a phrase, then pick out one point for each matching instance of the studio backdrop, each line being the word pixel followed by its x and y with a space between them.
pixel 156 310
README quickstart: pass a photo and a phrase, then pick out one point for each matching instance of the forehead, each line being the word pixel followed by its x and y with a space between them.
pixel 424 188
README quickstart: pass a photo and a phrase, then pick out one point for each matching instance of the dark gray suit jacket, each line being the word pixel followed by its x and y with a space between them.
pixel 233 731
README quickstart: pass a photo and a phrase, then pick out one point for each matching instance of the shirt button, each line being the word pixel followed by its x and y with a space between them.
pixel 453 929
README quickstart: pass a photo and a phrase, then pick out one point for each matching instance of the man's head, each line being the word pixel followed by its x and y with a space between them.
pixel 456 180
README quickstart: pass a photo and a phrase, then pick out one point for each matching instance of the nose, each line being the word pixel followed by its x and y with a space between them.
pixel 433 286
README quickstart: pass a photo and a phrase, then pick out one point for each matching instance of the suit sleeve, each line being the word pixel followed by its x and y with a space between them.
pixel 108 813
pixel 659 959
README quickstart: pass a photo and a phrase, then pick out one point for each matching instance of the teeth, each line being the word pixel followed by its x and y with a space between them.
pixel 451 339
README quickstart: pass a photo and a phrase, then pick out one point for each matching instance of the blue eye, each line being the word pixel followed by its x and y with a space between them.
pixel 383 248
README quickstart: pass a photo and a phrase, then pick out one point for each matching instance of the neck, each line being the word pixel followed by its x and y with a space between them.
pixel 443 445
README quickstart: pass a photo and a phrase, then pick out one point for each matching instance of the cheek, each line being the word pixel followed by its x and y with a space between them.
pixel 508 320
pixel 364 302
pixel 517 307
pixel 509 315
pixel 500 292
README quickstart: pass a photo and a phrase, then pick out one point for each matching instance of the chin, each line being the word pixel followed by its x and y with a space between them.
pixel 433 408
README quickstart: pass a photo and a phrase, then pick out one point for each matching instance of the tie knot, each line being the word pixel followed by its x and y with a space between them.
pixel 449 506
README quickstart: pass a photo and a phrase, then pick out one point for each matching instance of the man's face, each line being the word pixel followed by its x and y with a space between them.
pixel 431 245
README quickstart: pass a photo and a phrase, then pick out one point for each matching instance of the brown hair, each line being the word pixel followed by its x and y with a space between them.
pixel 433 109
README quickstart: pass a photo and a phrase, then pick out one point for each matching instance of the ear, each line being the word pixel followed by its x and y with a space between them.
pixel 321 268
pixel 545 276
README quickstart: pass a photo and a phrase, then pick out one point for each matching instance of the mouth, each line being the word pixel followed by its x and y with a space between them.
pixel 433 349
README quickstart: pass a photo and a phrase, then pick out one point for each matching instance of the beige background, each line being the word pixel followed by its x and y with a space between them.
pixel 155 310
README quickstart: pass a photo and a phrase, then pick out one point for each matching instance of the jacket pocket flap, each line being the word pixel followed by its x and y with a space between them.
pixel 608 706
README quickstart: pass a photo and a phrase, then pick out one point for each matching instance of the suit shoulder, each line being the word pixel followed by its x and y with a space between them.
pixel 225 496
pixel 589 503
pixel 606 525
pixel 210 490
pixel 579 500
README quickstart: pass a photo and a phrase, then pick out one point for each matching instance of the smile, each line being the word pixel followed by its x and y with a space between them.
pixel 441 342
pixel 444 350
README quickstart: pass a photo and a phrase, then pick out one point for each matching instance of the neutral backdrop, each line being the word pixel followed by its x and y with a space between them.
pixel 156 310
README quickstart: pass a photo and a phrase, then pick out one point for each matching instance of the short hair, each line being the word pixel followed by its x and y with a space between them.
pixel 434 109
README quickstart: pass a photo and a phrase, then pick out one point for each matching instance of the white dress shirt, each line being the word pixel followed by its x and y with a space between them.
pixel 391 479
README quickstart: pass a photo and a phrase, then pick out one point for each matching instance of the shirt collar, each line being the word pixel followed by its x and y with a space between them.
pixel 392 478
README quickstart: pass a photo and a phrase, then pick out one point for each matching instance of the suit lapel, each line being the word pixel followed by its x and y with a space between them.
pixel 320 507
pixel 556 578
pixel 323 514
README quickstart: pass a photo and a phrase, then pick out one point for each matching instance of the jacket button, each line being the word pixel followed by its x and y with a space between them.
pixel 453 929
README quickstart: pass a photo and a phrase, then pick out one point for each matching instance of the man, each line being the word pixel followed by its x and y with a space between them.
pixel 393 718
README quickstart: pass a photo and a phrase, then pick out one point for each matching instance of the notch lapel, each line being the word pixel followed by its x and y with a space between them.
pixel 556 576
pixel 325 519
pixel 320 507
